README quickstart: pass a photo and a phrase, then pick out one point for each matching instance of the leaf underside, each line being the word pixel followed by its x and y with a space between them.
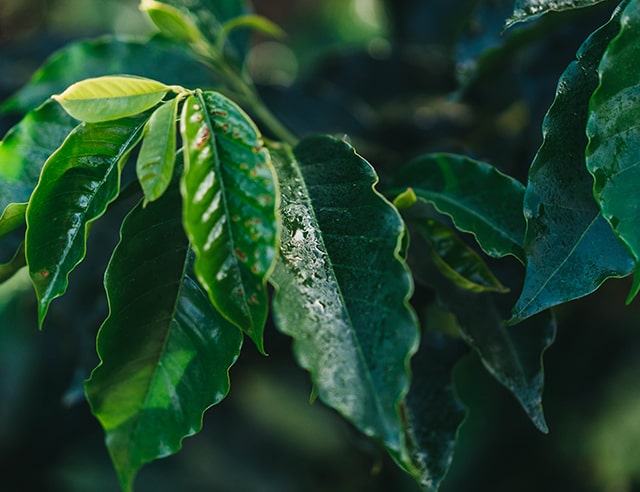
pixel 165 351
pixel 613 154
pixel 570 247
pixel 77 183
pixel 341 287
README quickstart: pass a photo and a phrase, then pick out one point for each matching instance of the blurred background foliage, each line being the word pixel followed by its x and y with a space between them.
pixel 397 77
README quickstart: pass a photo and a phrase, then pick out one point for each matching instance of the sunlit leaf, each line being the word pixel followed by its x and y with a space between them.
pixel 172 22
pixel 26 147
pixel 342 289
pixel 230 198
pixel 77 183
pixel 570 247
pixel 154 58
pixel 156 159
pixel 110 97
pixel 165 352
pixel 525 10
pixel 479 198
pixel 613 154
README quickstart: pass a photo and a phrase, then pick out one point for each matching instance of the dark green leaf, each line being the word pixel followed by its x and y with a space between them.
pixel 613 154
pixel 342 289
pixel 455 260
pixel 513 355
pixel 26 147
pixel 156 160
pixel 154 58
pixel 570 247
pixel 479 198
pixel 7 270
pixel 433 411
pixel 165 352
pixel 77 183
pixel 230 202
pixel 525 10
pixel 12 218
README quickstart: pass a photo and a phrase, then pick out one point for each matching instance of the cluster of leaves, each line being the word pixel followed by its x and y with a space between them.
pixel 224 212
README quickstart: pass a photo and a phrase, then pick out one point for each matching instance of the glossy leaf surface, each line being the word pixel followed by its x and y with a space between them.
pixel 165 352
pixel 230 198
pixel 479 198
pixel 156 159
pixel 613 154
pixel 26 147
pixel 525 10
pixel 110 97
pixel 455 259
pixel 433 411
pixel 512 354
pixel 77 183
pixel 155 58
pixel 342 289
pixel 570 247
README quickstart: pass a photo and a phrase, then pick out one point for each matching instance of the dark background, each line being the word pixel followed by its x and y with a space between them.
pixel 398 78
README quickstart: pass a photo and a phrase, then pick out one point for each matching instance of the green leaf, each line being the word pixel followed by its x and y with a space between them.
pixel 211 15
pixel 479 198
pixel 525 10
pixel 12 218
pixel 172 22
pixel 154 58
pixel 25 149
pixel 342 288
pixel 165 352
pixel 513 355
pixel 77 183
pixel 570 247
pixel 254 22
pixel 111 97
pixel 156 160
pixel 9 269
pixel 613 128
pixel 230 201
pixel 455 260
pixel 433 412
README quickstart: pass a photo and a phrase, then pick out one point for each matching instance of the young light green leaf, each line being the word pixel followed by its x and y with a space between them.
pixel 230 201
pixel 155 58
pixel 172 22
pixel 479 198
pixel 156 159
pixel 613 128
pixel 525 10
pixel 165 352
pixel 570 247
pixel 77 183
pixel 433 412
pixel 455 260
pixel 254 22
pixel 342 288
pixel 111 97
pixel 25 149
